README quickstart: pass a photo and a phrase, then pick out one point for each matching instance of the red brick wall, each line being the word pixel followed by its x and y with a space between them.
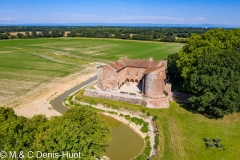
pixel 121 76
pixel 134 73
pixel 159 103
pixel 155 83
pixel 107 79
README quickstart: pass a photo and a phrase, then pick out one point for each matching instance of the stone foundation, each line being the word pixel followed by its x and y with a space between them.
pixel 134 99
pixel 157 103
pixel 113 96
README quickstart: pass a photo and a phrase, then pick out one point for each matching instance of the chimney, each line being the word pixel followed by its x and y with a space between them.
pixel 151 58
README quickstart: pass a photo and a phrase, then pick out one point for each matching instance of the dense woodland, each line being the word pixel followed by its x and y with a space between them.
pixel 78 130
pixel 208 67
pixel 132 33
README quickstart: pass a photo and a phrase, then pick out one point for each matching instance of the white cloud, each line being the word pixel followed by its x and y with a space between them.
pixel 156 19
pixel 6 19
pixel 146 19
pixel 197 19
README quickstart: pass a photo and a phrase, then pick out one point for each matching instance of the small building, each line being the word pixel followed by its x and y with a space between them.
pixel 148 73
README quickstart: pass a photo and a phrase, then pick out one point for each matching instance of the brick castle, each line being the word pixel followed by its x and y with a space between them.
pixel 149 74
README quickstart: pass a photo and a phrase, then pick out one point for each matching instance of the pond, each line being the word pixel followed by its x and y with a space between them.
pixel 125 143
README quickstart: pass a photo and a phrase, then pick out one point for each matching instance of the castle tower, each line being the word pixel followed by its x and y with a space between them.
pixel 154 82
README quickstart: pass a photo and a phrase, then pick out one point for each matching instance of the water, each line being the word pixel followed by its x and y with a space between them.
pixel 57 103
pixel 125 143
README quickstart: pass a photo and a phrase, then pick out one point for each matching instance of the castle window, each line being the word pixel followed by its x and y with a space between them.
pixel 128 73
pixel 136 74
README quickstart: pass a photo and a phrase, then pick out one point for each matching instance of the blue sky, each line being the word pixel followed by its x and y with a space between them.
pixel 225 12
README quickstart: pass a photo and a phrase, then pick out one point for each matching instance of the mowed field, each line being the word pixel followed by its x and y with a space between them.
pixel 182 133
pixel 29 64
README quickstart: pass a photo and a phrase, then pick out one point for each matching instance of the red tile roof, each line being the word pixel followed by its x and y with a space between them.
pixel 155 68
pixel 150 65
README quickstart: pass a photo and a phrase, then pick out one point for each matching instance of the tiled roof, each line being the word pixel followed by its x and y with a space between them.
pixel 136 63
pixel 115 66
pixel 150 65
pixel 152 69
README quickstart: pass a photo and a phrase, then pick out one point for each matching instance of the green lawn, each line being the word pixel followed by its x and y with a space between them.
pixel 182 132
pixel 90 49
pixel 25 64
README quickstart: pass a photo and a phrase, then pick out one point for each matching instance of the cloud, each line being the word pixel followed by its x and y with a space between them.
pixel 146 19
pixel 197 19
pixel 6 19
pixel 156 19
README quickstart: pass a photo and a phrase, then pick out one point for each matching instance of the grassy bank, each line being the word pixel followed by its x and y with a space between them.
pixel 181 132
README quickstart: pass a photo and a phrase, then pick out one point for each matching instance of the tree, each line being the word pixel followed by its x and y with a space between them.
pixel 172 69
pixel 34 33
pixel 17 132
pixel 3 36
pixel 20 35
pixel 205 64
pixel 211 41
pixel 78 130
pixel 27 34
pixel 45 33
pixel 215 82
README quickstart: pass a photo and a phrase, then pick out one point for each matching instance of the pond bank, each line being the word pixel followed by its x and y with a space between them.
pixel 137 128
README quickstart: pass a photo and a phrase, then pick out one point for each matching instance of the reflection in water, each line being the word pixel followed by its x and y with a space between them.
pixel 110 121
pixel 125 142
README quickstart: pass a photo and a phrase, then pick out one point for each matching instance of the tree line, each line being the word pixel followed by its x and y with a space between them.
pixel 208 67
pixel 78 130
pixel 132 33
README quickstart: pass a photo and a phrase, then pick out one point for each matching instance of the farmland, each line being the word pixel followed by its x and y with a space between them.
pixel 28 65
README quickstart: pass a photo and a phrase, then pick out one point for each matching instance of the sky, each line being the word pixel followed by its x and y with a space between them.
pixel 225 12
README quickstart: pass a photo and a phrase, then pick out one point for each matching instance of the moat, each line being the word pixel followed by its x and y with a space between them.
pixel 125 143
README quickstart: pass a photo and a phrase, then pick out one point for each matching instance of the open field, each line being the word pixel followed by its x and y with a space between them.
pixel 31 67
pixel 182 132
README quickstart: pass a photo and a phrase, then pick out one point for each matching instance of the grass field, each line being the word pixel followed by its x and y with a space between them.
pixel 28 63
pixel 182 132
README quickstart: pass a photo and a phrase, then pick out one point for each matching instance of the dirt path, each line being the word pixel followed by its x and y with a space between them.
pixel 38 101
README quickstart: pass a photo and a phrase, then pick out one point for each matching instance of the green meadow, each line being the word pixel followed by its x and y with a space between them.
pixel 182 133
pixel 26 64
pixel 91 49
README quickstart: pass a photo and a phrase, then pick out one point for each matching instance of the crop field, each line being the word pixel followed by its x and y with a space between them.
pixel 182 133
pixel 27 64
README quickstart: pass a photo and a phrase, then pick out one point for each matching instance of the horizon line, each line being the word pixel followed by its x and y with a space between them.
pixel 204 25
